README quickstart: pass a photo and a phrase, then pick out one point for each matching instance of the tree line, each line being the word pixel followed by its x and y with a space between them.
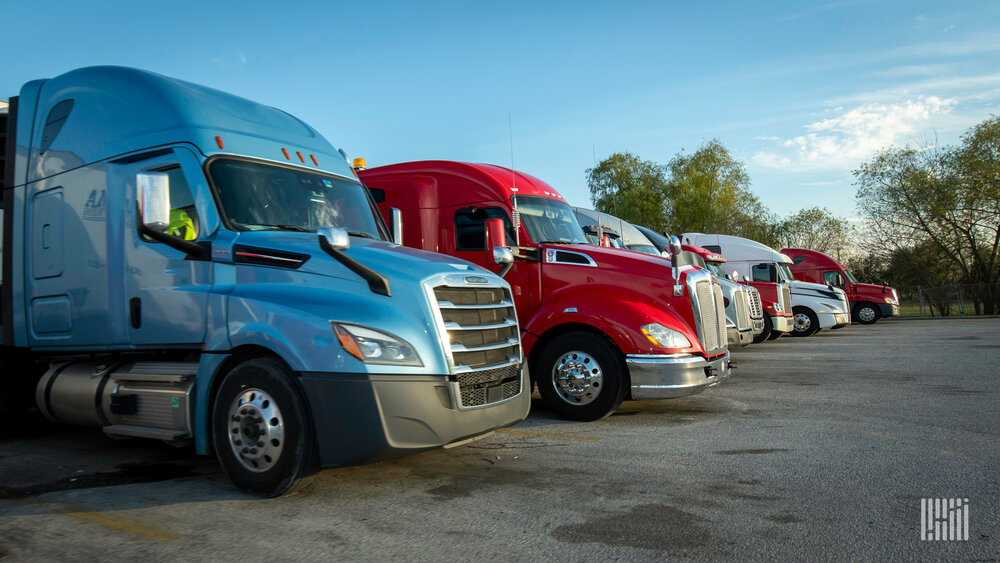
pixel 931 215
pixel 707 191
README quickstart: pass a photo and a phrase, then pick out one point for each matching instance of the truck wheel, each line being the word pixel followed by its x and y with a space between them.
pixel 806 322
pixel 262 430
pixel 766 333
pixel 581 377
pixel 866 313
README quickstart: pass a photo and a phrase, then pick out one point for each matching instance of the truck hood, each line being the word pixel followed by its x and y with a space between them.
pixel 873 291
pixel 395 262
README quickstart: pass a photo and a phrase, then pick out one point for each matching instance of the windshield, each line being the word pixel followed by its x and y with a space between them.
pixel 549 220
pixel 784 273
pixel 850 276
pixel 256 196
pixel 716 269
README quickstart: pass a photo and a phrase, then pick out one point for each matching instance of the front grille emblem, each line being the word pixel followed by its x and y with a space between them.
pixel 477 280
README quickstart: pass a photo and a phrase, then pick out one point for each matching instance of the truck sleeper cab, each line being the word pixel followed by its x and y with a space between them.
pixel 868 302
pixel 814 306
pixel 598 324
pixel 230 284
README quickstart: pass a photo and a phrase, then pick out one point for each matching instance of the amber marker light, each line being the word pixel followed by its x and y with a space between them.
pixel 299 154
pixel 314 160
pixel 358 164
pixel 347 341
pixel 218 141
pixel 285 152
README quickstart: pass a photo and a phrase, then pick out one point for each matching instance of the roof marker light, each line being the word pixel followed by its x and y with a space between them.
pixel 299 154
pixel 358 164
pixel 218 141
pixel 285 152
pixel 314 160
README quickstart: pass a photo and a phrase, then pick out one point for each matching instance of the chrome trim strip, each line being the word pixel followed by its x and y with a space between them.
pixel 511 341
pixel 455 326
pixel 450 305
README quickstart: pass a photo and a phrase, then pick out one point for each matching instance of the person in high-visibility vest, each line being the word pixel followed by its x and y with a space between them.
pixel 181 225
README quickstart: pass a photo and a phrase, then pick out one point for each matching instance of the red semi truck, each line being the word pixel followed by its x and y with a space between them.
pixel 598 325
pixel 869 302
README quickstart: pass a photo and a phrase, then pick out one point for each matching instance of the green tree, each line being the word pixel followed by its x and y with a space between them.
pixel 815 228
pixel 947 197
pixel 709 192
pixel 629 188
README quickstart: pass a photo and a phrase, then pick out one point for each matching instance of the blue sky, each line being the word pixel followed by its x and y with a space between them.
pixel 803 93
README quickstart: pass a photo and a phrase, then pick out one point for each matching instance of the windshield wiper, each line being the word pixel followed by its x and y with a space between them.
pixel 360 234
pixel 295 228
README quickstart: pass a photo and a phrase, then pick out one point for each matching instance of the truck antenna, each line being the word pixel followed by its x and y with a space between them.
pixel 515 214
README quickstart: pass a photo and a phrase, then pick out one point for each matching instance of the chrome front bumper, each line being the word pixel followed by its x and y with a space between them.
pixel 661 376
pixel 737 337
pixel 834 320
pixel 888 310
pixel 782 323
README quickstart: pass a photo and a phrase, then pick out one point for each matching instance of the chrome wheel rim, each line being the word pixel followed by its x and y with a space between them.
pixel 256 430
pixel 866 314
pixel 578 378
pixel 802 322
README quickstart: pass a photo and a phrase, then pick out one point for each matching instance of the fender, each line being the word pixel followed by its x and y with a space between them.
pixel 619 318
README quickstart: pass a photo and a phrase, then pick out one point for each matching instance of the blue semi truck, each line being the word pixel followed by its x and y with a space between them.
pixel 186 265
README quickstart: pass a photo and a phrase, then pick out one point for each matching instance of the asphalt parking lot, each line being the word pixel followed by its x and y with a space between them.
pixel 818 448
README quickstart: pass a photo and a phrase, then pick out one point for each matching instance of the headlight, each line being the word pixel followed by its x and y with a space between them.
pixel 890 300
pixel 777 306
pixel 665 337
pixel 374 346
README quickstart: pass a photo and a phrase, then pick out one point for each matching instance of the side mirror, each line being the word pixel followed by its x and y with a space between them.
pixel 496 237
pixel 396 217
pixel 335 237
pixel 154 200
pixel 734 275
pixel 675 252
pixel 675 245
pixel 496 245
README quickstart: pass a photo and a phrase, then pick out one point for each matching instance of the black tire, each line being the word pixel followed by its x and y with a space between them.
pixel 281 458
pixel 576 355
pixel 806 322
pixel 866 313
pixel 766 333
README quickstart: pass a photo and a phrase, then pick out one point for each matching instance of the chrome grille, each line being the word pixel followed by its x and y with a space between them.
pixel 742 313
pixel 786 299
pixel 756 308
pixel 481 325
pixel 720 319
pixel 480 388
pixel 712 311
pixel 485 342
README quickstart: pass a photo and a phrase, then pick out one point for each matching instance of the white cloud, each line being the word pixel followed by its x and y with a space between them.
pixel 853 136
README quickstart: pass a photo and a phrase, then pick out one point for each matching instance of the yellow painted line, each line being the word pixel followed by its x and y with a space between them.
pixel 566 436
pixel 106 519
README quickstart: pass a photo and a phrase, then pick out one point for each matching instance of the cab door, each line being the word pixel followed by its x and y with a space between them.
pixel 167 291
